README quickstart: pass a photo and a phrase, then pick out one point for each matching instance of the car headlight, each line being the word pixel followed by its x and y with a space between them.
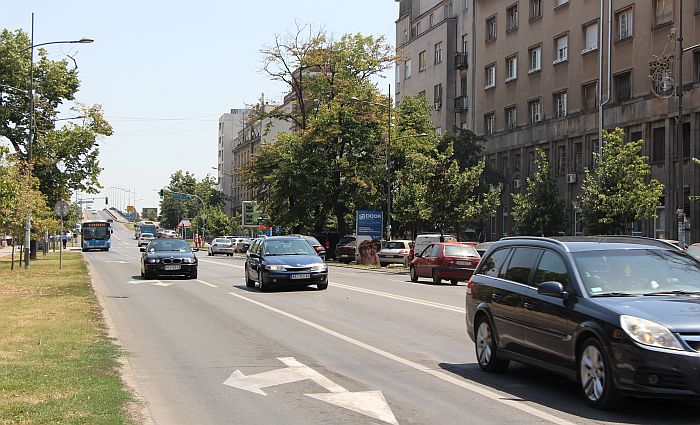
pixel 649 333
pixel 153 260
pixel 275 267
pixel 189 260
pixel 318 267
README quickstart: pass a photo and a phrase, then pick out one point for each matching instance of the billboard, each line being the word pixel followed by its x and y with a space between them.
pixel 149 214
pixel 369 223
pixel 249 216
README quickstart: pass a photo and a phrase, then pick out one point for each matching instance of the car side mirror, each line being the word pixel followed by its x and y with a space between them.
pixel 142 249
pixel 553 289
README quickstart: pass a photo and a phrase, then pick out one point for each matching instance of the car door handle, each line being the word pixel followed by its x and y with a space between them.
pixel 529 306
pixel 496 297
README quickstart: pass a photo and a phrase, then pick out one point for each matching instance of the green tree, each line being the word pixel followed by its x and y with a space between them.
pixel 173 210
pixel 539 211
pixel 55 83
pixel 618 191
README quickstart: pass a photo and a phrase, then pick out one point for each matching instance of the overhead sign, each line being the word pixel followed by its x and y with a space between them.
pixel 369 223
pixel 250 214
pixel 369 403
pixel 181 197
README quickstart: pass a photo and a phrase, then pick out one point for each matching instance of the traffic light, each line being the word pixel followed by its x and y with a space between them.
pixel 161 193
pixel 106 202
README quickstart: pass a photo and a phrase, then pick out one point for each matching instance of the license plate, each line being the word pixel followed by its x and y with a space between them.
pixel 300 276
pixel 397 256
pixel 171 267
pixel 461 263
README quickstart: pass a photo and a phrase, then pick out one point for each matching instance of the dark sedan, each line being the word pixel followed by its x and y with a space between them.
pixel 619 315
pixel 284 260
pixel 168 257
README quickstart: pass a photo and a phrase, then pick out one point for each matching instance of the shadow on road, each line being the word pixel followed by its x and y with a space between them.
pixel 558 393
pixel 279 288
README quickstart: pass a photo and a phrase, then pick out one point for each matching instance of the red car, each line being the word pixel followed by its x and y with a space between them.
pixel 453 261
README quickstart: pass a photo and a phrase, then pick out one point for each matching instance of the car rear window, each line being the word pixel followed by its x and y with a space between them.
pixel 395 245
pixel 345 241
pixel 521 263
pixel 146 235
pixel 460 251
pixel 222 241
pixel 312 240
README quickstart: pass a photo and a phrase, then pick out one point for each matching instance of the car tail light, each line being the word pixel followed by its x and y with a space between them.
pixel 403 252
pixel 470 284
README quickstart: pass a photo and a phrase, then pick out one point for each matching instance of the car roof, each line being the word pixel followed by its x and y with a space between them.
pixel 590 243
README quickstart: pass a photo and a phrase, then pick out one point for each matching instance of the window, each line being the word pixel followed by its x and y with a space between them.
pixel 561 49
pixel 438 53
pixel 492 266
pixel 490 76
pixel 551 268
pixel 521 264
pixel 512 18
pixel 658 144
pixel 431 20
pixel 623 24
pixel 407 70
pixel 535 54
pixel 697 6
pixel 590 97
pixel 465 43
pixel 578 156
pixel 561 159
pixel 535 9
pixel 511 68
pixel 558 3
pixel 696 65
pixel 535 107
pixel 405 36
pixel 491 28
pixel 511 117
pixel 448 10
pixel 531 163
pixel 560 107
pixel 660 221
pixel 595 150
pixel 590 37
pixel 421 61
pixel 437 96
pixel 623 86
pixel 397 72
pixel 686 140
pixel 463 86
pixel 663 11
pixel 489 123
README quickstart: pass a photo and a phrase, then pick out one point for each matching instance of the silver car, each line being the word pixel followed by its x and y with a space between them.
pixel 395 252
pixel 221 246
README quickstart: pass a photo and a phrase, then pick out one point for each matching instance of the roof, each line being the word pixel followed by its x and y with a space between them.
pixel 599 242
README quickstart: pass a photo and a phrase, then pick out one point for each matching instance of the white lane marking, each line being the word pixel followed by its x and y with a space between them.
pixel 207 283
pixel 150 282
pixel 501 397
pixel 221 264
pixel 401 298
pixel 369 403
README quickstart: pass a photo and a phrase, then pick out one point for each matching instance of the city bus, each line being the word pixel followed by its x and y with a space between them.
pixel 96 234
pixel 145 226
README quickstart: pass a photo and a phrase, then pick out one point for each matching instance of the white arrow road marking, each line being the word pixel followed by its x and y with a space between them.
pixel 368 403
pixel 207 283
pixel 150 282
pixel 118 261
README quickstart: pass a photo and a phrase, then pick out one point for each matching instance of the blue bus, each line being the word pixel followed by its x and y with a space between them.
pixel 145 227
pixel 96 234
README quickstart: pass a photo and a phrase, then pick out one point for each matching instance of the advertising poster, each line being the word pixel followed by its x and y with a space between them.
pixel 368 229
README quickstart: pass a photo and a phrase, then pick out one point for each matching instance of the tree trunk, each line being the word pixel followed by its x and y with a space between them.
pixel 12 262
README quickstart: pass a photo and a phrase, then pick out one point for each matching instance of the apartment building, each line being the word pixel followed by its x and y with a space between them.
pixel 230 124
pixel 254 133
pixel 535 84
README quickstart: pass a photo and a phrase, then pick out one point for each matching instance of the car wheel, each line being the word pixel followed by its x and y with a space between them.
pixel 209 253
pixel 414 275
pixel 322 286
pixel 382 264
pixel 453 281
pixel 486 350
pixel 436 278
pixel 143 274
pixel 250 283
pixel 594 378
pixel 264 287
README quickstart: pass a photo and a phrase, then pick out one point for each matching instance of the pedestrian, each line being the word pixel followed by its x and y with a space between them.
pixel 64 239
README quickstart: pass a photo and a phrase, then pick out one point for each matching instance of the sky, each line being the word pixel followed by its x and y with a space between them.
pixel 165 71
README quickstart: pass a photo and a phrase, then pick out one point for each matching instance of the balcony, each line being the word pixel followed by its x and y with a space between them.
pixel 461 61
pixel 461 104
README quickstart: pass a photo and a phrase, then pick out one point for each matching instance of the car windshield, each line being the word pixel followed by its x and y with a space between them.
pixel 288 247
pixel 638 272
pixel 460 251
pixel 395 245
pixel 169 245
pixel 98 233
pixel 694 250
pixel 222 241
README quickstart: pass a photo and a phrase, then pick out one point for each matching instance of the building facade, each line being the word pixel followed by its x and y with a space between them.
pixel 230 124
pixel 536 77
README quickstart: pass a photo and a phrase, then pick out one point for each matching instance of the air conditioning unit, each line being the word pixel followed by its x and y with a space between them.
pixel 516 184
pixel 437 105
pixel 571 178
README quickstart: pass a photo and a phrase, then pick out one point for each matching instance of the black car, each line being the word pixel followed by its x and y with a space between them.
pixel 284 260
pixel 620 315
pixel 168 257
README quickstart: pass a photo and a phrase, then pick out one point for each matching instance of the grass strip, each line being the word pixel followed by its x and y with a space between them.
pixel 57 364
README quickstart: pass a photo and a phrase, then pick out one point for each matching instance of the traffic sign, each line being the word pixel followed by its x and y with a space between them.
pixel 180 197
pixel 61 208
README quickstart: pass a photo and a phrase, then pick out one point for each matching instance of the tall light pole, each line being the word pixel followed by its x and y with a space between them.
pixel 28 225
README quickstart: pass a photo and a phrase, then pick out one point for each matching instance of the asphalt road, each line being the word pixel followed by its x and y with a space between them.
pixel 373 348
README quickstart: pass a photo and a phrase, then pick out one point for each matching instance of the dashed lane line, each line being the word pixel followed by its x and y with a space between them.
pixel 401 298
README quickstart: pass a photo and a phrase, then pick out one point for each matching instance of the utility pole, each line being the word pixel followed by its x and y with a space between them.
pixel 680 203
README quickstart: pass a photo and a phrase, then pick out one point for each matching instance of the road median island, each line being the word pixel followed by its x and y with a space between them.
pixel 57 364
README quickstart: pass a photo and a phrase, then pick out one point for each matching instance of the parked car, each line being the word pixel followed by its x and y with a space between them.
pixel 284 260
pixel 320 250
pixel 619 315
pixel 145 238
pixel 694 250
pixel 168 257
pixel 241 244
pixel 346 253
pixel 422 241
pixel 395 252
pixel 220 246
pixel 453 261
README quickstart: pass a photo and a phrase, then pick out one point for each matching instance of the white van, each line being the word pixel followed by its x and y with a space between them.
pixel 422 241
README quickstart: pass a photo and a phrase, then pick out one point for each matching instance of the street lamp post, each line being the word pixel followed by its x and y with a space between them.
pixel 28 225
